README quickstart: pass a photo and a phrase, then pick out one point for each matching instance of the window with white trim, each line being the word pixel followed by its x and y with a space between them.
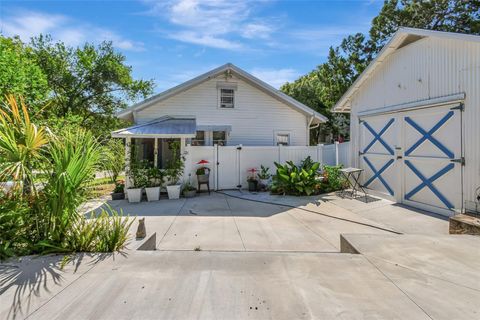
pixel 282 139
pixel 199 139
pixel 227 98
pixel 220 138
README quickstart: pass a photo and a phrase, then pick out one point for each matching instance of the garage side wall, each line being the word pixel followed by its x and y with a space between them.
pixel 428 69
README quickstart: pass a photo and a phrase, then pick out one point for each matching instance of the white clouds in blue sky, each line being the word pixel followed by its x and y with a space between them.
pixel 27 24
pixel 171 40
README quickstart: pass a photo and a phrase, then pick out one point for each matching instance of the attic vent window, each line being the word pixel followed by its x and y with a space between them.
pixel 227 98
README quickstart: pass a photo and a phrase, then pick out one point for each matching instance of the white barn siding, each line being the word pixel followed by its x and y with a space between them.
pixel 254 119
pixel 427 69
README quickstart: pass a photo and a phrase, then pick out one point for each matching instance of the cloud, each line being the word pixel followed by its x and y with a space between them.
pixel 28 24
pixel 218 24
pixel 275 77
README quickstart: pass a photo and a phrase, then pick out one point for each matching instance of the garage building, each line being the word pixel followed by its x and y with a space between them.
pixel 415 120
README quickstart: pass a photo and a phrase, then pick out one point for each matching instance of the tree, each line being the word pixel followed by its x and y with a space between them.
pixel 19 73
pixel 89 83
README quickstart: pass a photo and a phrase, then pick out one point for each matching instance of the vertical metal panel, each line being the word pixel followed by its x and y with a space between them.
pixel 426 69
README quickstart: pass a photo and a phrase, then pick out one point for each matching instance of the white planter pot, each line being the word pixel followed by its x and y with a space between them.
pixel 174 191
pixel 153 193
pixel 134 195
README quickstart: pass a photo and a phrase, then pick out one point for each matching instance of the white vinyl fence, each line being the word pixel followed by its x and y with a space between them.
pixel 230 164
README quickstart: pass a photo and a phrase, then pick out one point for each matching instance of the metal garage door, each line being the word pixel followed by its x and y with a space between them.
pixel 415 156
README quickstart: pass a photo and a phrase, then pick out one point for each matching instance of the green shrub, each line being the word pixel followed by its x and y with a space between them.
pixel 297 180
pixel 332 178
pixel 40 216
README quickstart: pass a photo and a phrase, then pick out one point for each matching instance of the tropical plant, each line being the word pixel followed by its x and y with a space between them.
pixel 264 173
pixel 21 145
pixel 252 175
pixel 155 177
pixel 44 218
pixel 113 158
pixel 332 178
pixel 175 166
pixel 119 187
pixel 188 186
pixel 297 180
pixel 138 173
pixel 73 161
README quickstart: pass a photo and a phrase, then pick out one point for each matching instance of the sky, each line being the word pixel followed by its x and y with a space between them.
pixel 171 41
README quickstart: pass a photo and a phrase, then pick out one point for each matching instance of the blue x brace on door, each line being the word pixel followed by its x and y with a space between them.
pixel 377 174
pixel 428 182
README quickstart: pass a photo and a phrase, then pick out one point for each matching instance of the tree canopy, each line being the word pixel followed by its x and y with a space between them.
pixel 83 86
pixel 325 85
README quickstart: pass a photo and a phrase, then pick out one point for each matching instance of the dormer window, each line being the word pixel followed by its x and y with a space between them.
pixel 227 98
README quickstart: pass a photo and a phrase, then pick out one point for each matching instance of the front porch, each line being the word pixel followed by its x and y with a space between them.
pixel 151 143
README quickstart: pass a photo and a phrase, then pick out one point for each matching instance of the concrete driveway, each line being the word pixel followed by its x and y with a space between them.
pixel 260 261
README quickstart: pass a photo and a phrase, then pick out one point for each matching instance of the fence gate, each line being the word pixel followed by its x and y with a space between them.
pixel 228 167
pixel 415 156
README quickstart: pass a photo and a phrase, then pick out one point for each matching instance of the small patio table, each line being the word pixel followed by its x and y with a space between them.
pixel 352 175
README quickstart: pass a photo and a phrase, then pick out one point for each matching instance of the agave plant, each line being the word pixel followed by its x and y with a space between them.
pixel 21 145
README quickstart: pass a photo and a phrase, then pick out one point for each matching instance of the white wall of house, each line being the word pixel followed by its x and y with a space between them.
pixel 429 68
pixel 254 120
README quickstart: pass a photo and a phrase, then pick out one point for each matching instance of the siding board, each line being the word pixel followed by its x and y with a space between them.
pixel 254 119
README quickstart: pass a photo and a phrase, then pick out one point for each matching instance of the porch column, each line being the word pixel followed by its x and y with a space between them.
pixel 155 153
pixel 182 154
pixel 128 143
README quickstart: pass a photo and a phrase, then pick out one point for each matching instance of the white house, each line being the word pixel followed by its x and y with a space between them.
pixel 226 107
pixel 415 120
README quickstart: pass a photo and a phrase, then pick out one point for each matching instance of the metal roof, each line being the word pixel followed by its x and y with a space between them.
pixel 402 37
pixel 164 127
pixel 239 72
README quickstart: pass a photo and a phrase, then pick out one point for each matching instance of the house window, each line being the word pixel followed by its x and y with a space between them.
pixel 282 139
pixel 199 139
pixel 220 138
pixel 227 98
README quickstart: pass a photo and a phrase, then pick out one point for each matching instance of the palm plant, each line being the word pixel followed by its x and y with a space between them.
pixel 74 159
pixel 21 145
pixel 45 219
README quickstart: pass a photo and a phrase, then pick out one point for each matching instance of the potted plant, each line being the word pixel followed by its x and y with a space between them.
pixel 174 171
pixel 264 176
pixel 119 190
pixel 203 173
pixel 252 180
pixel 189 191
pixel 139 180
pixel 154 182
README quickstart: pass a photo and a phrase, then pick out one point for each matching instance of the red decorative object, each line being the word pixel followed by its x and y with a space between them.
pixel 252 170
pixel 202 162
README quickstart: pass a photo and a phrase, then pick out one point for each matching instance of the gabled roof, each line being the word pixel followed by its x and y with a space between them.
pixel 401 38
pixel 215 72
